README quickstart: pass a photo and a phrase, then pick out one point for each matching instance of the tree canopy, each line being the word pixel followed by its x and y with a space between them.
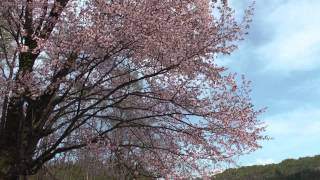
pixel 133 82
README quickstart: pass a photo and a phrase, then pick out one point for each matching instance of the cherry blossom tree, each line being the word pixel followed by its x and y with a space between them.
pixel 132 81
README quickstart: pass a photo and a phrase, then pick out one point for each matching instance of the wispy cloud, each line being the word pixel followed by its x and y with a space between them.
pixel 299 124
pixel 295 45
pixel 295 134
pixel 281 56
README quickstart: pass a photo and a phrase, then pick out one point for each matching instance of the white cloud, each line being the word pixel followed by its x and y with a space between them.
pixel 297 124
pixel 261 161
pixel 310 85
pixel 264 161
pixel 294 134
pixel 296 42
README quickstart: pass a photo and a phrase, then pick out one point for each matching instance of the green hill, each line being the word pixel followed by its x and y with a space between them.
pixel 77 171
pixel 307 168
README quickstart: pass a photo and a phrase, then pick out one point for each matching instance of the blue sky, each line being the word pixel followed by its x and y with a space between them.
pixel 281 55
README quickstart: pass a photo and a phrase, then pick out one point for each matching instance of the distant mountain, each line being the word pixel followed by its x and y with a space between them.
pixel 307 168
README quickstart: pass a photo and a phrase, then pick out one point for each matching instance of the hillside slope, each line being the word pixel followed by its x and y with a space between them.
pixel 307 168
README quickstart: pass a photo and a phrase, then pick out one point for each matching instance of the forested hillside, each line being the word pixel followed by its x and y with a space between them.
pixel 307 168
pixel 83 171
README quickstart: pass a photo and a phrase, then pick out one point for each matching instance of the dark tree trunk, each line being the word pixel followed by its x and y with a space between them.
pixel 16 143
pixel 19 137
pixel 20 131
pixel 13 177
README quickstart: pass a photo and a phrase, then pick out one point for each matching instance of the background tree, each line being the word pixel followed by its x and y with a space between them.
pixel 66 83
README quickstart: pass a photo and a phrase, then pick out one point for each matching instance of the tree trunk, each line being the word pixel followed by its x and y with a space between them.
pixel 13 177
pixel 10 170
pixel 16 144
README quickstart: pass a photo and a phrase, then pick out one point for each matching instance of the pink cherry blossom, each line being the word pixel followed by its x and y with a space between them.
pixel 131 83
